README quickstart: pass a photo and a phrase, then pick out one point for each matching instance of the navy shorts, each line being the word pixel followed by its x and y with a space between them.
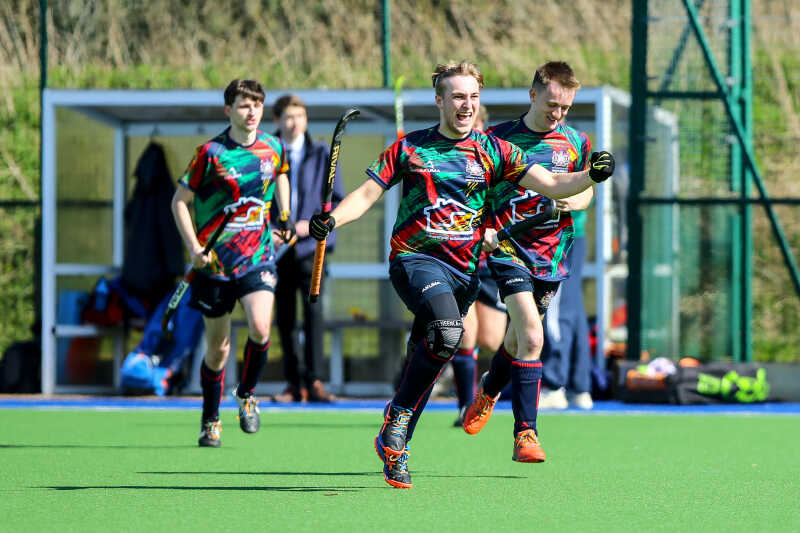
pixel 418 278
pixel 488 294
pixel 215 298
pixel 511 280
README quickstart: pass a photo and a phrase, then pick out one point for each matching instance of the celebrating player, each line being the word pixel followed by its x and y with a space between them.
pixel 236 170
pixel 446 172
pixel 529 267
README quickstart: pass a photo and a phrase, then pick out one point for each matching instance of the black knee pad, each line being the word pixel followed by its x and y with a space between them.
pixel 444 336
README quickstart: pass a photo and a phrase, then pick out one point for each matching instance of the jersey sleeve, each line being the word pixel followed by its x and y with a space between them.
pixel 586 152
pixel 513 163
pixel 283 167
pixel 384 170
pixel 196 171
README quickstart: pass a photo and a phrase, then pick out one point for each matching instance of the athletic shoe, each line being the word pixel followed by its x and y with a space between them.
pixel 392 436
pixel 480 410
pixel 581 400
pixel 459 421
pixel 210 431
pixel 553 399
pixel 249 415
pixel 527 448
pixel 395 466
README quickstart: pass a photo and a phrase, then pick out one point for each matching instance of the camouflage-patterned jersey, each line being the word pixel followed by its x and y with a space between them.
pixel 543 250
pixel 226 175
pixel 445 186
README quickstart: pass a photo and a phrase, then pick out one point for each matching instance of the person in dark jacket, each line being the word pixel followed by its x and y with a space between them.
pixel 308 169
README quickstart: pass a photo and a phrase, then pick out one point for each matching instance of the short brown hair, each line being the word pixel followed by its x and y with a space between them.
pixel 465 68
pixel 246 88
pixel 287 100
pixel 555 71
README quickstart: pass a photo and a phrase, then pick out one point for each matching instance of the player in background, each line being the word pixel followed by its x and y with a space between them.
pixel 308 162
pixel 484 324
pixel 446 172
pixel 236 170
pixel 529 268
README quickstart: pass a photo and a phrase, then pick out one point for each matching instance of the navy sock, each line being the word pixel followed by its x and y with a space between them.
pixel 412 422
pixel 464 365
pixel 421 373
pixel 526 379
pixel 499 372
pixel 255 357
pixel 212 383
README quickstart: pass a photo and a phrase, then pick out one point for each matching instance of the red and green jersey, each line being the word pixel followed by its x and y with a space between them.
pixel 543 250
pixel 445 184
pixel 225 175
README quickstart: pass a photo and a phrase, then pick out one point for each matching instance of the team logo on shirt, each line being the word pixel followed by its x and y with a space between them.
pixel 474 171
pixel 560 158
pixel 450 220
pixel 521 208
pixel 233 174
pixel 249 214
pixel 267 169
pixel 429 167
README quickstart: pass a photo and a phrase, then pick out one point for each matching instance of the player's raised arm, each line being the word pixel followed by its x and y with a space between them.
pixel 552 185
pixel 351 208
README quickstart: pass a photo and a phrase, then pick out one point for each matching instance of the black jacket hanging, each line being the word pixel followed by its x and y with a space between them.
pixel 153 248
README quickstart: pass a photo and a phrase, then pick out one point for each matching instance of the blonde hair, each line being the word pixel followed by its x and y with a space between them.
pixel 444 71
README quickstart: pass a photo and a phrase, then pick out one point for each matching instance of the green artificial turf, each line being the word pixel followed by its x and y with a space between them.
pixel 77 470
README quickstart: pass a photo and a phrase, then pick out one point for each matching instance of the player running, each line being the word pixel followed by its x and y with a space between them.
pixel 446 172
pixel 236 170
pixel 529 268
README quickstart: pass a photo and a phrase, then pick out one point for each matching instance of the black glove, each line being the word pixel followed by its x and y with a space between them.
pixel 321 225
pixel 286 224
pixel 601 166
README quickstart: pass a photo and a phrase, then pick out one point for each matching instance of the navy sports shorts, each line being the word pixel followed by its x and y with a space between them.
pixel 488 294
pixel 418 278
pixel 215 298
pixel 511 279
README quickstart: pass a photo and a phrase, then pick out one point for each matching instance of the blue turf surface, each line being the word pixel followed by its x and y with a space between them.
pixel 193 402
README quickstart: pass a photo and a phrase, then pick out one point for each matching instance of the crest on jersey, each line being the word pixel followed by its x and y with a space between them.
pixel 560 158
pixel 474 171
pixel 267 169
pixel 451 220
pixel 249 214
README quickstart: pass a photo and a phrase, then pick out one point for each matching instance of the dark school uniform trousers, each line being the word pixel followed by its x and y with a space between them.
pixel 295 275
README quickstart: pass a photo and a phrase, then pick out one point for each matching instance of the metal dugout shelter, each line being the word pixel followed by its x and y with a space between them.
pixel 88 137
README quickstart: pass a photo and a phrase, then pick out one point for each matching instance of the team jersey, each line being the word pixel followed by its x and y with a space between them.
pixel 543 250
pixel 445 183
pixel 225 175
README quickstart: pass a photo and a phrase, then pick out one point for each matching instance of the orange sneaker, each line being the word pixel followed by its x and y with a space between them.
pixel 480 410
pixel 527 448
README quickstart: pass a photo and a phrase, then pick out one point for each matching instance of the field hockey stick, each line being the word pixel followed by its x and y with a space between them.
pixel 327 199
pixel 530 222
pixel 177 296
pixel 398 106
